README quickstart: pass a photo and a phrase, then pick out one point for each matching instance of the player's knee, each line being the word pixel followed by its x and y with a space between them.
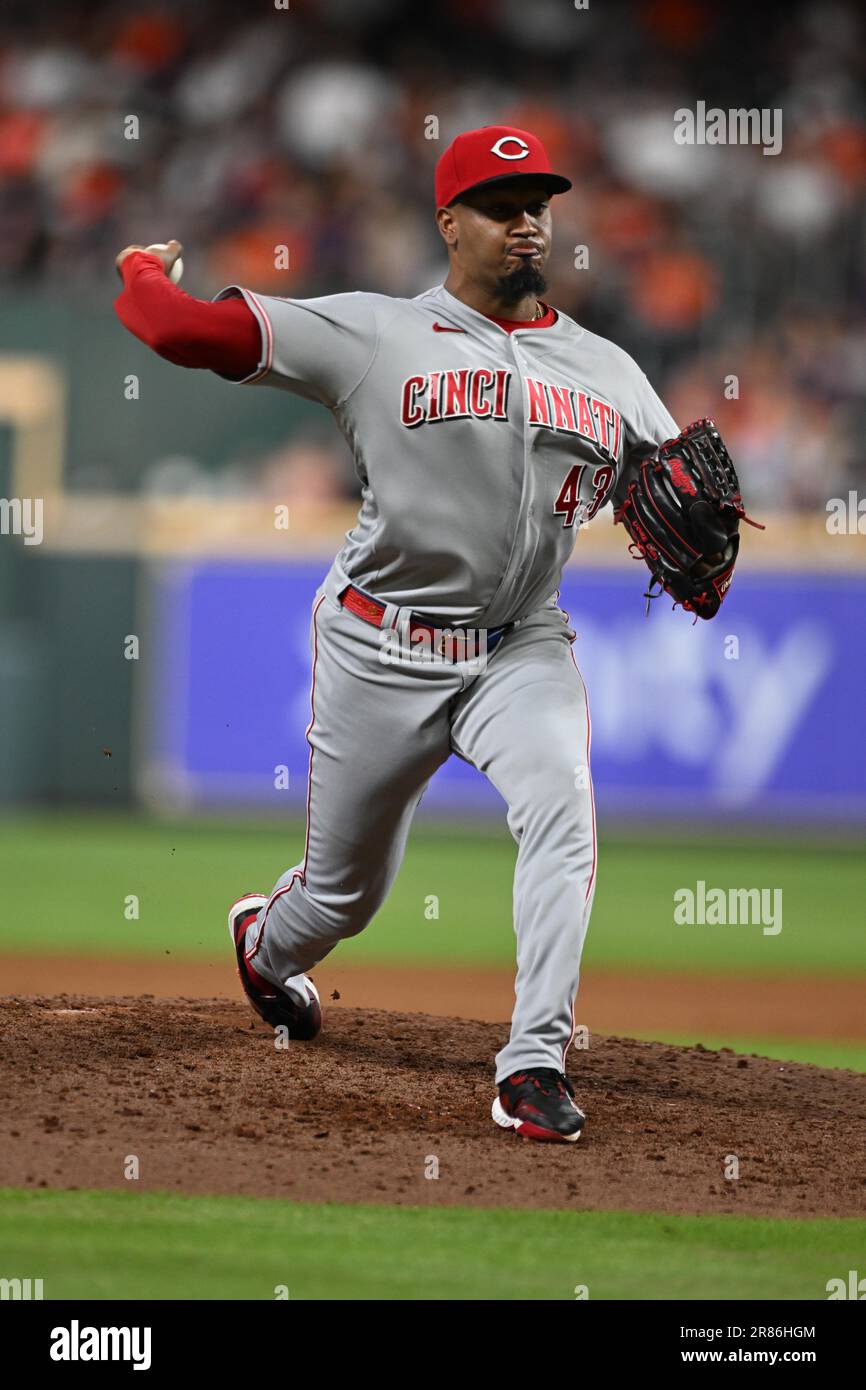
pixel 350 913
pixel 352 923
pixel 558 804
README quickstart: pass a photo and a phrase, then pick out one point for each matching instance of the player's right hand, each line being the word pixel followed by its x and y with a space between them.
pixel 167 252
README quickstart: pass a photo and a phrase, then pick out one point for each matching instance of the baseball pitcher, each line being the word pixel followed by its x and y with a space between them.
pixel 486 427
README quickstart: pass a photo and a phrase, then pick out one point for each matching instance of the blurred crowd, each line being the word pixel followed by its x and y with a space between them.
pixel 737 279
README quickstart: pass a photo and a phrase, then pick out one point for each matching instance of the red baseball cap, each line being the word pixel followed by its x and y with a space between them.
pixel 489 154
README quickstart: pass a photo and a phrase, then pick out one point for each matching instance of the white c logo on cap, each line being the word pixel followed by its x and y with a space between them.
pixel 512 140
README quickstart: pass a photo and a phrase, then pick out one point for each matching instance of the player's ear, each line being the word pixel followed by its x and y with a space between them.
pixel 446 221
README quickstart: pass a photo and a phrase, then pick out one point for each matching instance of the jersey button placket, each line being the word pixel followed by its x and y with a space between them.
pixel 528 443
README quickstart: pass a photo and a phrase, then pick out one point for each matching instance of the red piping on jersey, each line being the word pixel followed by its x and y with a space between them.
pixel 591 884
pixel 589 773
pixel 269 339
pixel 301 873
pixel 592 872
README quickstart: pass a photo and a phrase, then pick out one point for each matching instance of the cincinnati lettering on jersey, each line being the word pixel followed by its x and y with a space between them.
pixel 482 393
pixel 573 411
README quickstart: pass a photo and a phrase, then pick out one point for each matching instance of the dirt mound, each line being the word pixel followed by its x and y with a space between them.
pixel 197 1091
pixel 691 1005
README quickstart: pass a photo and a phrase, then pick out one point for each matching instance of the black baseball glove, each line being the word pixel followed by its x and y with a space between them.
pixel 683 513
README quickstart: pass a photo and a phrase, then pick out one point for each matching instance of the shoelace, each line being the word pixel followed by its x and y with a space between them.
pixel 546 1080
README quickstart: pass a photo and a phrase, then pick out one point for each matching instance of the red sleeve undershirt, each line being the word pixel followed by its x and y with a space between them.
pixel 222 337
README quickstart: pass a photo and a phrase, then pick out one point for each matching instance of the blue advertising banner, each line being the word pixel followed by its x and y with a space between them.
pixel 759 713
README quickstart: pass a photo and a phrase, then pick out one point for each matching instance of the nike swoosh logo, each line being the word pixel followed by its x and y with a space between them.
pixel 438 328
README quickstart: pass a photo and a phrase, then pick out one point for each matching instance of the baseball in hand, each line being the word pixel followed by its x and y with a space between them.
pixel 176 270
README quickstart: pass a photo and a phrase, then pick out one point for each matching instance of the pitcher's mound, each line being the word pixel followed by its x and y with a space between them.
pixel 194 1096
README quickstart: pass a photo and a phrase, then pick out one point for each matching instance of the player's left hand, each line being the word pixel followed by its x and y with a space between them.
pixel 683 513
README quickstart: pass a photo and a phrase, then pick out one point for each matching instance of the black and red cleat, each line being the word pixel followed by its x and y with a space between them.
pixel 298 1009
pixel 539 1104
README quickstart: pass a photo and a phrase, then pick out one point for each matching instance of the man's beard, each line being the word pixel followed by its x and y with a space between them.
pixel 526 279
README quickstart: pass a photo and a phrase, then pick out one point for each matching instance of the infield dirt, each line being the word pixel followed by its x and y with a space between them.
pixel 199 1094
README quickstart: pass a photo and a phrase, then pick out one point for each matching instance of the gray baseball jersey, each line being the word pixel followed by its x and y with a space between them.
pixel 479 451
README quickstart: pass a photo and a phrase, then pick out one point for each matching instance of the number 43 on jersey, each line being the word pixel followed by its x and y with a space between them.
pixel 569 502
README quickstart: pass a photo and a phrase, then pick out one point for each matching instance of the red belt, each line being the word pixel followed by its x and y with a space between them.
pixel 439 639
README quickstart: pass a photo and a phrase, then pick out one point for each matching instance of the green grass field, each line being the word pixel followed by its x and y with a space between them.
pixel 133 1246
pixel 66 879
pixel 850 1056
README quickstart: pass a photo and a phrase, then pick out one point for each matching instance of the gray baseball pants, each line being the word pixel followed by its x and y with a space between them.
pixel 378 732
